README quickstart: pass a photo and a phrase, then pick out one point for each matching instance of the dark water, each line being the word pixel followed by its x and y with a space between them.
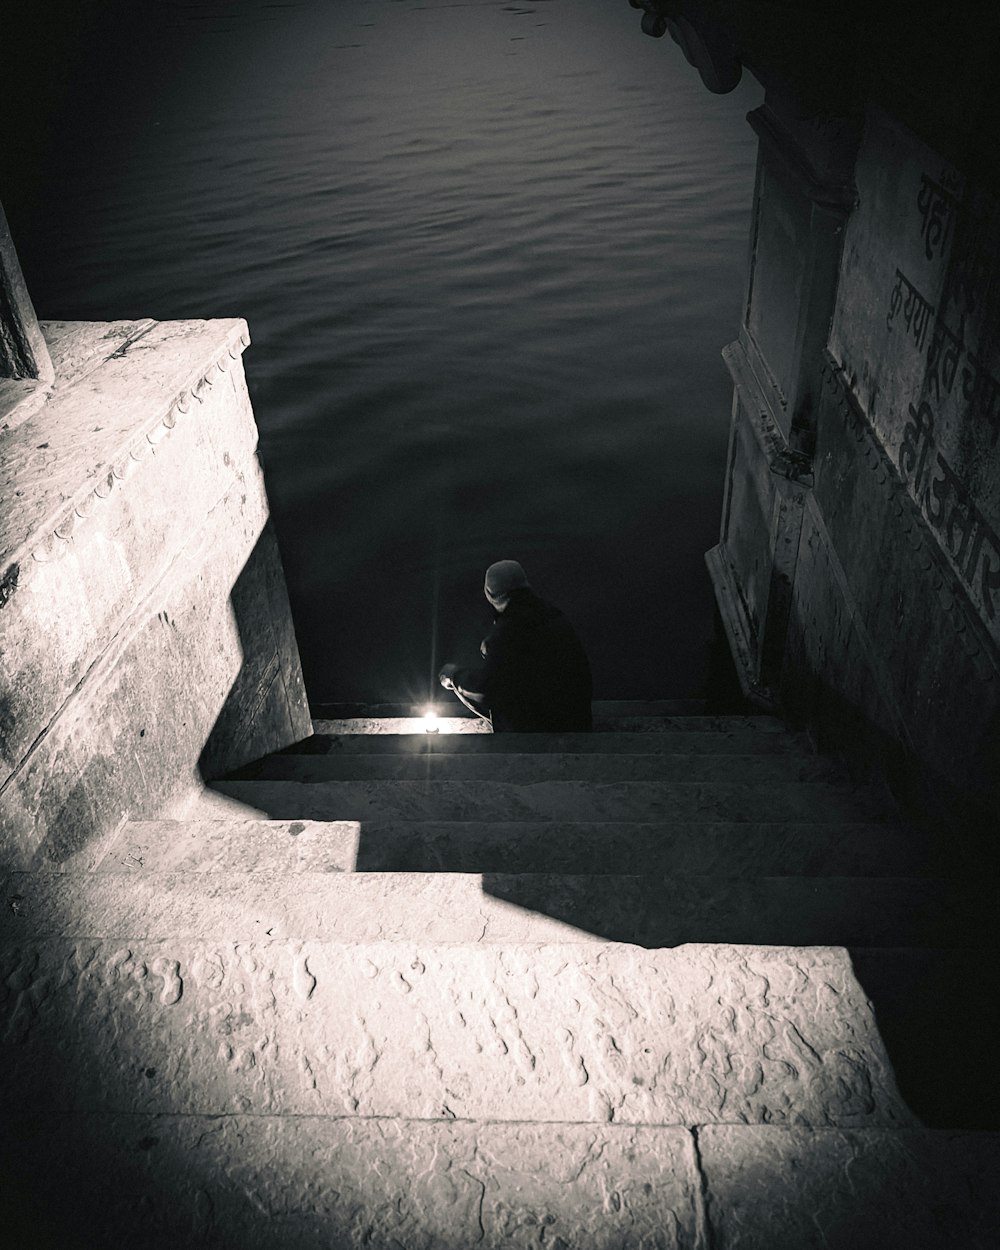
pixel 489 253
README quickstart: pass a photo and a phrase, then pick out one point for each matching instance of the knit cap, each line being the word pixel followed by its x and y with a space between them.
pixel 502 578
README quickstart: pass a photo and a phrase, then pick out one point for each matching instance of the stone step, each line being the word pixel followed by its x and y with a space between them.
pixel 803 801
pixel 447 704
pixel 299 1183
pixel 682 741
pixel 562 1033
pixel 728 848
pixel 547 767
pixel 505 908
pixel 603 723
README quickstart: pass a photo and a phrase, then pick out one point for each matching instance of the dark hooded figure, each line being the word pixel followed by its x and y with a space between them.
pixel 534 675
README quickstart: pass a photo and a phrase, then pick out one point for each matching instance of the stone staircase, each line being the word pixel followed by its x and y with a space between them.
pixel 677 983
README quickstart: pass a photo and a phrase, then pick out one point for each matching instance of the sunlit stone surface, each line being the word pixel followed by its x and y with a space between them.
pixel 614 1033
pixel 147 638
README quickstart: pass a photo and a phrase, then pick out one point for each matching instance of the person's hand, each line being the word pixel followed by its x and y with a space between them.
pixel 446 676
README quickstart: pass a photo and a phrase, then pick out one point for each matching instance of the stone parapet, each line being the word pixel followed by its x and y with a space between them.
pixel 142 592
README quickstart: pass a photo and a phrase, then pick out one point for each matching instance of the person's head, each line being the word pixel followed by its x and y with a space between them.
pixel 501 579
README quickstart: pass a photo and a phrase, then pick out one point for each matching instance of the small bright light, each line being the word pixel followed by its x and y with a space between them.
pixel 431 725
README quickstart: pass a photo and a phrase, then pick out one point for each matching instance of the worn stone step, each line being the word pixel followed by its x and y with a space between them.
pixel 686 741
pixel 728 848
pixel 525 769
pixel 449 705
pixel 646 910
pixel 557 800
pixel 604 722
pixel 305 1182
pixel 580 1034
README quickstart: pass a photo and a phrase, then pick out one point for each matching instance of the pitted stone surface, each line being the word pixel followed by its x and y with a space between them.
pixel 766 848
pixel 523 769
pixel 697 1035
pixel 794 1189
pixel 239 845
pixel 559 800
pixel 500 908
pixel 310 1183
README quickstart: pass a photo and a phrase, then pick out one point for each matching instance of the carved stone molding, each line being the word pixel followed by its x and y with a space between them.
pixel 143 445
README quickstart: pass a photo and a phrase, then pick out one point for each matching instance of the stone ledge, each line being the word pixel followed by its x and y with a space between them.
pixel 90 433
pixel 268 1183
pixel 769 848
pixel 519 906
pixel 801 801
pixel 587 1034
pixel 263 1183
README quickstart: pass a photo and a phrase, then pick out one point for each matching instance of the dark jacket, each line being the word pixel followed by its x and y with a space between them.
pixel 535 676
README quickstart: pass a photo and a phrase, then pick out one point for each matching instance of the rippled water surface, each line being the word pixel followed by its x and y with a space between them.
pixel 489 253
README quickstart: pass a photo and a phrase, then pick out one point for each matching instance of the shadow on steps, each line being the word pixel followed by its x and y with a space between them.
pixel 927 962
pixel 935 1010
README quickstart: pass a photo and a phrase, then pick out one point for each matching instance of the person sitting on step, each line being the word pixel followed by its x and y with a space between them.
pixel 534 675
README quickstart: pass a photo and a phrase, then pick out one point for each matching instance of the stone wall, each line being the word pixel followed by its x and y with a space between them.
pixel 145 635
pixel 859 562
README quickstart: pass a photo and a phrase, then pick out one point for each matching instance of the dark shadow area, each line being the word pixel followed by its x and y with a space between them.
pixel 966 820
pixel 259 709
pixel 936 1012
pixel 723 694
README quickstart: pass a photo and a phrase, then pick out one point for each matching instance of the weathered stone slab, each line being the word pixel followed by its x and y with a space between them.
pixel 74 593
pixel 79 348
pixel 863 1189
pixel 210 639
pixel 559 800
pixel 728 848
pixel 524 769
pixel 704 1034
pixel 312 1183
pixel 58 458
pixel 234 846
pixel 525 907
pixel 397 725
pixel 712 742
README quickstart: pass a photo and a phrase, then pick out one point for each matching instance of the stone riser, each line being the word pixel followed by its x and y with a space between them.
pixel 529 768
pixel 500 908
pixel 264 1183
pixel 557 800
pixel 581 1034
pixel 726 848
pixel 605 721
pixel 682 742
